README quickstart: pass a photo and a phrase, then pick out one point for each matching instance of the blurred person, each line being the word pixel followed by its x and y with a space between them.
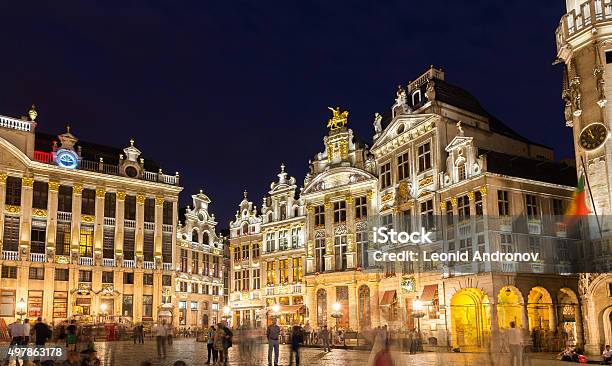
pixel 515 342
pixel 324 336
pixel 227 342
pixel 272 335
pixel 71 336
pixel 297 338
pixel 218 344
pixel 160 333
pixel 42 332
pixel 210 337
pixel 72 359
pixel 606 356
pixel 307 332
pixel 91 358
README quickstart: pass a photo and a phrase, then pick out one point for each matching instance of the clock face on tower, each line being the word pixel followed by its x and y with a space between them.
pixel 593 136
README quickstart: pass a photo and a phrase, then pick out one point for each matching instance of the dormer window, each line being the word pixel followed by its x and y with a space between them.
pixel 283 212
pixel 296 212
pixel 245 229
pixel 416 97
pixel 194 236
pixel 206 239
pixel 270 217
pixel 461 173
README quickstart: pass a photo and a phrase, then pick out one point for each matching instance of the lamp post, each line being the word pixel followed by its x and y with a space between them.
pixel 418 313
pixel 103 309
pixel 21 305
pixel 227 314
pixel 337 313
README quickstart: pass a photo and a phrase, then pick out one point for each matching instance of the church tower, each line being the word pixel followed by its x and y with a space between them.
pixel 584 47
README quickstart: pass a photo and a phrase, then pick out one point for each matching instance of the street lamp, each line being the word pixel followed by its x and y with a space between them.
pixel 21 305
pixel 418 313
pixel 337 314
pixel 227 314
pixel 103 308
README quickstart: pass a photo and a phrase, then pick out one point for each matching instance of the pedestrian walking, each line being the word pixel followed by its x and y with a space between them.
pixel 210 339
pixel 272 334
pixel 161 335
pixel 169 333
pixel 71 336
pixel 26 332
pixel 218 344
pixel 324 336
pixel 42 332
pixel 307 333
pixel 135 334
pixel 297 338
pixel 141 333
pixel 15 330
pixel 227 342
pixel 515 341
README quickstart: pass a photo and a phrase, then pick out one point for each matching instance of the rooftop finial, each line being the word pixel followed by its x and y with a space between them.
pixel 132 142
pixel 338 119
pixel 201 191
pixel 33 113
pixel 459 128
pixel 282 167
pixel 68 128
pixel 245 193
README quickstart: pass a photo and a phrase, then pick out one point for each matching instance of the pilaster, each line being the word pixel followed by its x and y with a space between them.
pixel 77 189
pixel 119 224
pixel 51 217
pixel 2 203
pixel 140 200
pixel 159 212
pixel 26 213
pixel 99 224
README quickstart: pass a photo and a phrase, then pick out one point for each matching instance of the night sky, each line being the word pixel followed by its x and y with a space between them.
pixel 225 91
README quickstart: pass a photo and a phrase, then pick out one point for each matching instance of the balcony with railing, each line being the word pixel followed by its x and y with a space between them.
pixel 16 124
pixel 148 265
pixel 38 257
pixel 166 228
pixel 167 266
pixel 509 267
pixel 64 216
pixel 109 221
pixel 534 226
pixel 86 261
pixel 108 262
pixel 10 255
pixel 129 223
pixel 588 14
pixel 129 263
pixel 149 225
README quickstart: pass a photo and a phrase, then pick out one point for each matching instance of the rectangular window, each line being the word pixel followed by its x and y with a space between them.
pixel 166 280
pixel 270 242
pixel 320 254
pixel 108 242
pixel 237 281
pixel 184 260
pixel 245 280
pixel 10 236
pixel 319 212
pixel 245 252
pixel 361 207
pixel 503 203
pixel 236 254
pixel 255 251
pixel 385 175
pixel 129 242
pixel 110 204
pixel 167 213
pixel 167 247
pixel 463 207
pixel 9 271
pixel 387 221
pixel 283 266
pixel 128 278
pixel 13 191
pixel 558 208
pixel 427 215
pixel 283 240
pixel 534 244
pixel 84 276
pixel 64 199
pixel 506 243
pixel 362 247
pixel 478 203
pixel 297 269
pixel 108 277
pixel 7 303
pixel 35 303
pixel 339 252
pixel 256 279
pixel 271 273
pixel 129 208
pixel 88 205
pixel 195 262
pixel 147 279
pixel 461 173
pixel 296 237
pixel 532 206
pixel 608 57
pixel 339 212
pixel 38 236
pixel 86 241
pixel 61 274
pixel 60 304
pixel 62 238
pixel 403 167
pixel 424 157
pixel 148 245
pixel 127 306
pixel 40 194
pixel 36 273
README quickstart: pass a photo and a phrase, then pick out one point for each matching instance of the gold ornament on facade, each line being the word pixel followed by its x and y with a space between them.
pixel 442 205
pixel 3 177
pixel 387 196
pixel 328 205
pixel 39 212
pixel 483 190
pixel 77 189
pixel 338 119
pixel 62 259
pixel 140 198
pixel 349 199
pixel 309 209
pixel 33 113
pixel 369 195
pixel 402 190
pixel 87 219
pixel 159 201
pixel 53 186
pixel 343 149
pixel 330 152
pixel 121 196
pixel 426 181
pixel 470 195
pixel 454 201
pixel 27 182
pixel 100 192
pixel 12 209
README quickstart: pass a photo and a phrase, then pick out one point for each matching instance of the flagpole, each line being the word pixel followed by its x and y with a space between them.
pixel 586 177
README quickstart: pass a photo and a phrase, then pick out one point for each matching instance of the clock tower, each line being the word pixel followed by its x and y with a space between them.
pixel 584 47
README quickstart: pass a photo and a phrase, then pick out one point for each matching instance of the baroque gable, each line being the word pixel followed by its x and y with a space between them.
pixel 463 161
pixel 337 178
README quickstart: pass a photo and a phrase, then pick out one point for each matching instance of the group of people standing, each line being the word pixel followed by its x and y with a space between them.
pixel 218 342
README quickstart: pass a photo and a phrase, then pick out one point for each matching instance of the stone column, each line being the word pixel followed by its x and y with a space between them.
pixel 99 225
pixel 310 241
pixel 51 218
pixel 77 189
pixel 329 237
pixel 311 305
pixel 140 200
pixel 159 213
pixel 374 304
pixel 26 214
pixel 353 307
pixel 119 225
pixel 351 247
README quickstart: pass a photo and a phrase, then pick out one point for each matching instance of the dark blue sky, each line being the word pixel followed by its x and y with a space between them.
pixel 225 91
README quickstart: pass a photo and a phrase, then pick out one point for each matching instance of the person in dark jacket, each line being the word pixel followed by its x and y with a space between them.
pixel 297 338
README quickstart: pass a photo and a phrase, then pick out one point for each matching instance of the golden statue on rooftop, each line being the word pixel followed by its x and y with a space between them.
pixel 338 119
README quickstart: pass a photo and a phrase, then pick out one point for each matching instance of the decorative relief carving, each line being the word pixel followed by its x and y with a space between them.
pixel 12 209
pixel 39 212
pixel 483 190
pixel 88 219
pixel 340 229
pixel 426 181
pixel 53 186
pixel 470 195
pixel 140 199
pixel 120 195
pixel 27 182
pixel 100 192
pixel 453 201
pixel 77 189
pixel 159 201
pixel 3 177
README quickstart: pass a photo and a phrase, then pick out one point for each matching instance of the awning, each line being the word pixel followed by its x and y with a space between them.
pixel 164 314
pixel 389 297
pixel 430 292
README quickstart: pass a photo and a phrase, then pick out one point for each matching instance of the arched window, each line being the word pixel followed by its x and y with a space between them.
pixel 282 212
pixel 206 238
pixel 416 97
pixel 245 228
pixel 364 307
pixel 296 212
pixel 270 217
pixel 321 307
pixel 194 236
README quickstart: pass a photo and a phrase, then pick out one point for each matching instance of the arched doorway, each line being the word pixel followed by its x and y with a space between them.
pixel 509 307
pixel 540 309
pixel 568 313
pixel 470 319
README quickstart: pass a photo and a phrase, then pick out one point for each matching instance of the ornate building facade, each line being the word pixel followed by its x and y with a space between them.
pixel 245 277
pixel 199 257
pixel 584 48
pixel 87 230
pixel 283 255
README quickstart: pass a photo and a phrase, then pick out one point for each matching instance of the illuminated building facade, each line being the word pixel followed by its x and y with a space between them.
pixel 584 49
pixel 87 230
pixel 245 277
pixel 283 254
pixel 199 265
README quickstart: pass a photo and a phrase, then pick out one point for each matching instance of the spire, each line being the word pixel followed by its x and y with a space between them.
pixel 33 113
pixel 245 194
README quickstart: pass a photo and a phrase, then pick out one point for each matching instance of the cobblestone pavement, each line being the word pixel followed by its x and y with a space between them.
pixel 194 354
